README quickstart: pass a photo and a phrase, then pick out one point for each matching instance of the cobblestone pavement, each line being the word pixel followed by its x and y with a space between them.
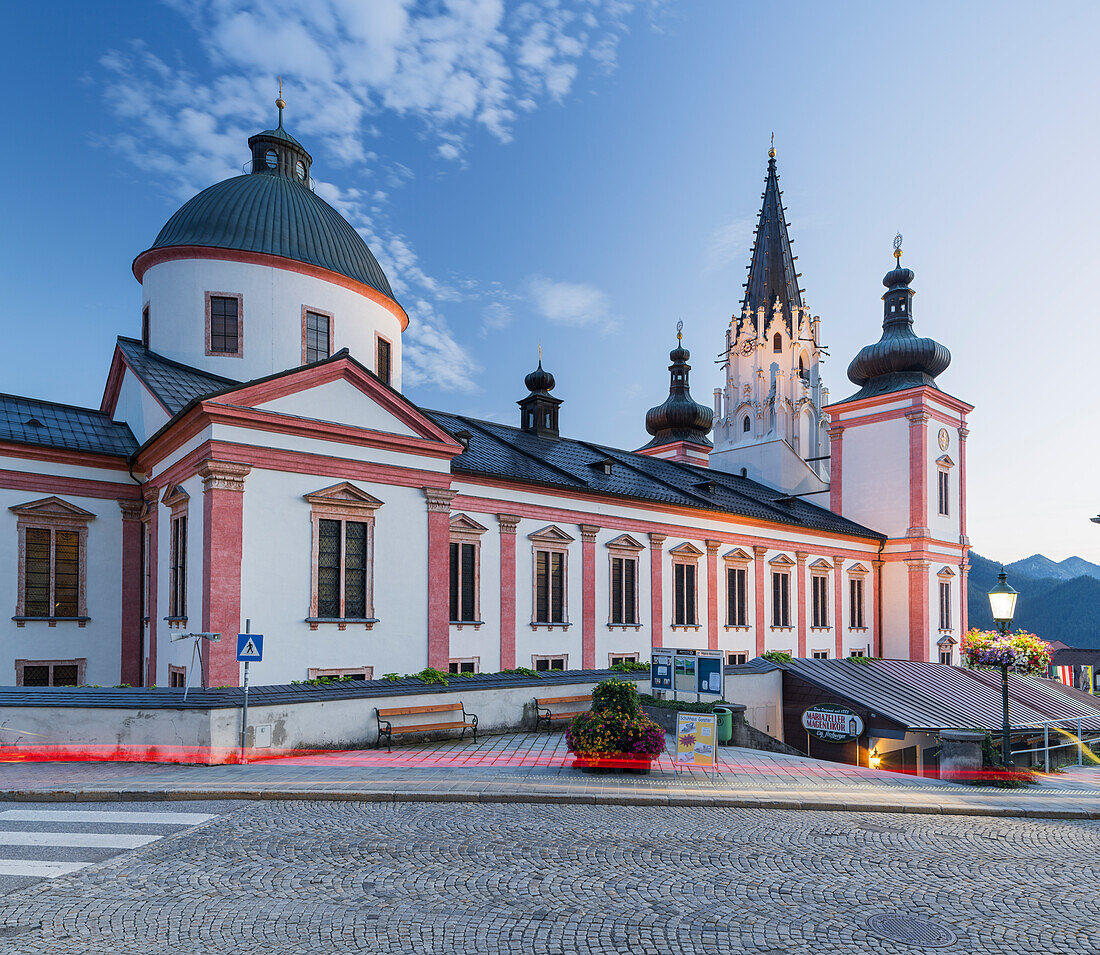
pixel 319 877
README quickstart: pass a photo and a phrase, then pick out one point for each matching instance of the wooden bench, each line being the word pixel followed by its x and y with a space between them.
pixel 387 729
pixel 543 713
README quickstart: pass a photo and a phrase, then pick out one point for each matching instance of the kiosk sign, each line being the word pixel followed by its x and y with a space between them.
pixel 696 736
pixel 834 724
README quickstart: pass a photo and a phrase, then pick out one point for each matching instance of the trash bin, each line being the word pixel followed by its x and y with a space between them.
pixel 725 725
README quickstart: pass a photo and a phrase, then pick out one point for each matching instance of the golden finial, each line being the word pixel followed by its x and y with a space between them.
pixel 280 102
pixel 540 353
pixel 771 149
pixel 679 333
pixel 897 247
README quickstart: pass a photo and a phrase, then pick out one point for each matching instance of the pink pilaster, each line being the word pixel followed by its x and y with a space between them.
pixel 588 595
pixel 838 605
pixel 152 497
pixel 760 595
pixel 964 570
pixel 801 556
pixel 439 577
pixel 918 473
pixel 963 432
pixel 130 670
pixel 876 609
pixel 918 610
pixel 508 524
pixel 712 594
pixel 656 596
pixel 222 553
pixel 836 469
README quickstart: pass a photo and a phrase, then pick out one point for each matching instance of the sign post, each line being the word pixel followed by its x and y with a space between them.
pixel 696 739
pixel 250 646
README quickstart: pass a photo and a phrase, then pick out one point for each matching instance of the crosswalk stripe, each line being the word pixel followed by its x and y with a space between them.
pixel 78 840
pixel 39 870
pixel 91 815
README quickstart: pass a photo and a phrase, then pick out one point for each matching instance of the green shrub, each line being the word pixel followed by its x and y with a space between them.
pixel 430 676
pixel 617 696
pixel 777 656
pixel 681 706
pixel 631 666
pixel 521 671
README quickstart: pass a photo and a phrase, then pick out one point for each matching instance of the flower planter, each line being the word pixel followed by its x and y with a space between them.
pixel 615 763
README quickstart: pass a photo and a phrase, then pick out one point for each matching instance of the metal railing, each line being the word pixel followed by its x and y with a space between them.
pixel 1073 731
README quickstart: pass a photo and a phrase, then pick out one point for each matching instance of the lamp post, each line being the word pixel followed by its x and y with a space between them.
pixel 1002 601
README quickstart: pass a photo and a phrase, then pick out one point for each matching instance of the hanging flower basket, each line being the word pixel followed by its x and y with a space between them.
pixel 1021 651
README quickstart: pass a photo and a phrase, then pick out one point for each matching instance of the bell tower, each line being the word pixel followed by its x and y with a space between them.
pixel 768 417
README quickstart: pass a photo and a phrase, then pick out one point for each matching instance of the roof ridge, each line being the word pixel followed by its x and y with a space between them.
pixel 652 477
pixel 177 364
pixel 62 404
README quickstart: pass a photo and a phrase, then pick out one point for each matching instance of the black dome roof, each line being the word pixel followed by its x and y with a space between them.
pixel 679 417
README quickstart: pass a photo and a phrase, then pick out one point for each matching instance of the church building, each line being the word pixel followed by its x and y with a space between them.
pixel 254 457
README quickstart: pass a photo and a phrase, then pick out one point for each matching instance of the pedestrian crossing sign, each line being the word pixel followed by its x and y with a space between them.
pixel 250 647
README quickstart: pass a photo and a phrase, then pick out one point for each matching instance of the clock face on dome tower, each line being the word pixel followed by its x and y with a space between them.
pixel 747 348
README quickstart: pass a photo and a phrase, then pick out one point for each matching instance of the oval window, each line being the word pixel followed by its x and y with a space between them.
pixel 300 170
pixel 272 159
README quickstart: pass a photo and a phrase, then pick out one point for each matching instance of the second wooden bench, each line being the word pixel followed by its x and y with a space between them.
pixel 543 713
pixel 386 729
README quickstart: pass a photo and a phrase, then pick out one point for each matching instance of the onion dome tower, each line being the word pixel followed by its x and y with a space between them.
pixel 539 410
pixel 899 359
pixel 679 424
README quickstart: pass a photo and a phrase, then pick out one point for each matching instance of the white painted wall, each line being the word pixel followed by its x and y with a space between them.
pixel 138 408
pixel 342 402
pixel 273 300
pixel 876 475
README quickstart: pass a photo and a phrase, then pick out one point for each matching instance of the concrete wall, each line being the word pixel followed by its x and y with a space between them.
pixel 762 696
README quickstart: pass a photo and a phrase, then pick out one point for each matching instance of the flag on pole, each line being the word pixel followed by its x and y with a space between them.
pixel 1065 676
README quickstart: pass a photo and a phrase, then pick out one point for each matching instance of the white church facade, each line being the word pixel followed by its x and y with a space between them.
pixel 254 457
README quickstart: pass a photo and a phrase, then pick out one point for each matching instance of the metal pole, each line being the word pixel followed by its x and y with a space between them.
pixel 1046 747
pixel 1006 743
pixel 244 715
pixel 1080 745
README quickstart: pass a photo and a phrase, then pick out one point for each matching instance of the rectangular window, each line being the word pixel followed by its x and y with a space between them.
pixel 177 568
pixel 684 606
pixel 318 334
pixel 341 569
pixel 224 325
pixel 858 653
pixel 624 592
pixel 736 594
pixel 384 364
pixel 341 673
pixel 549 587
pixel 463 666
pixel 548 663
pixel 945 605
pixel 463 582
pixel 855 603
pixel 781 599
pixel 145 326
pixel 51 575
pixel 820 654
pixel 944 486
pixel 820 593
pixel 50 672
pixel 945 657
pixel 733 659
pixel 177 676
pixel 616 658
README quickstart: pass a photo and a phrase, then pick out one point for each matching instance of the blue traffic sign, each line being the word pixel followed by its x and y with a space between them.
pixel 250 647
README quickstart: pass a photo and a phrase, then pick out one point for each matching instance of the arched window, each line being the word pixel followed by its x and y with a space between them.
pixel 746 425
pixel 801 369
pixel 777 343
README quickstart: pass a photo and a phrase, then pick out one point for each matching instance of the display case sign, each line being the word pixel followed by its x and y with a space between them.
pixel 833 724
pixel 660 671
pixel 696 738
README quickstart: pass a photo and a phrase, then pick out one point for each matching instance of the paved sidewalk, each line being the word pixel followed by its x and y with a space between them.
pixel 530 767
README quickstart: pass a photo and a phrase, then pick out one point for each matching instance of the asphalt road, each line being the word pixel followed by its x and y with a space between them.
pixel 341 876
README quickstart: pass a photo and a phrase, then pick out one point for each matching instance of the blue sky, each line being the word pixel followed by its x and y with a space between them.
pixel 585 173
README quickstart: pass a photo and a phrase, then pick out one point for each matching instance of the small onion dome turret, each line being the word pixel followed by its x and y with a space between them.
pixel 540 381
pixel 899 359
pixel 679 417
pixel 538 412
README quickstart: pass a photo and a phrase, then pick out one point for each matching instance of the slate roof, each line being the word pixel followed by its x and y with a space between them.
pixel 172 383
pixel 496 450
pixel 932 696
pixel 274 215
pixel 63 426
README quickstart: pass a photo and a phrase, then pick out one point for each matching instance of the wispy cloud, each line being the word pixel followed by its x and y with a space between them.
pixel 571 303
pixel 729 244
pixel 449 68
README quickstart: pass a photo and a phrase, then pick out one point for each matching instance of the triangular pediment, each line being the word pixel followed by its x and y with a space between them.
pixel 686 549
pixel 781 560
pixel 462 523
pixel 737 554
pixel 52 507
pixel 625 542
pixel 551 534
pixel 821 564
pixel 174 495
pixel 945 571
pixel 944 461
pixel 857 569
pixel 346 494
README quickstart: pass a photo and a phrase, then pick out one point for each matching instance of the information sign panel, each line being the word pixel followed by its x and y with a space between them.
pixel 660 671
pixel 833 723
pixel 685 672
pixel 709 673
pixel 696 739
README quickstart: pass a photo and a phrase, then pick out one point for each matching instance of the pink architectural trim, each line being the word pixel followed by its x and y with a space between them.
pixel 152 257
pixel 152 496
pixel 81 664
pixel 307 310
pixel 73 487
pixel 712 593
pixel 836 468
pixel 342 502
pixel 222 555
pixel 918 395
pixel 439 577
pixel 964 572
pixel 588 595
pixel 656 588
pixel 759 595
pixel 132 529
pixel 239 353
pixel 839 593
pixel 508 524
pixel 963 432
pixel 82 459
pixel 683 452
pixel 876 608
pixel 918 610
pixel 918 474
pixel 800 557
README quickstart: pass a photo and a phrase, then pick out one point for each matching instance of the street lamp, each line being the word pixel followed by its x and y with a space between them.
pixel 1002 601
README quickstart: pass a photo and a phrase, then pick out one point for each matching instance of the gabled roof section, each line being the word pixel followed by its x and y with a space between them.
pixel 47 424
pixel 771 270
pixel 499 452
pixel 171 383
